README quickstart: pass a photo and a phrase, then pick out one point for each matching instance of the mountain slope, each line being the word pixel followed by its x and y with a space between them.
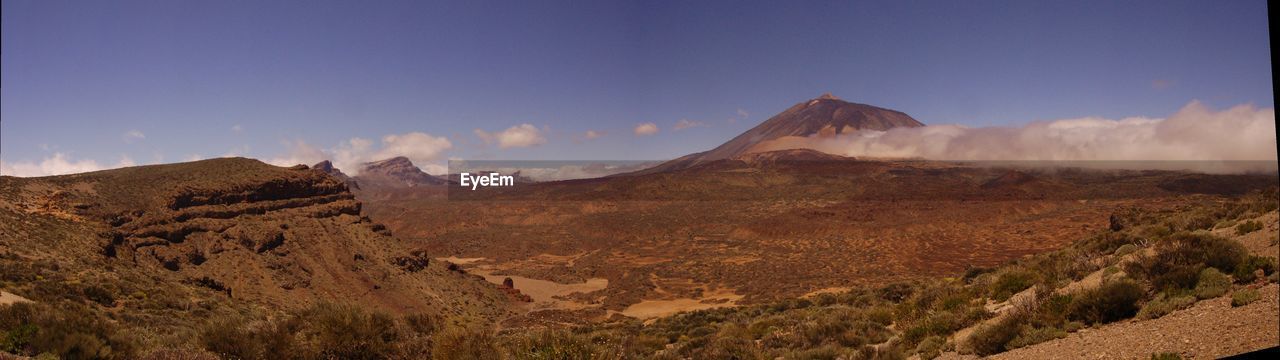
pixel 228 231
pixel 826 115
pixel 396 172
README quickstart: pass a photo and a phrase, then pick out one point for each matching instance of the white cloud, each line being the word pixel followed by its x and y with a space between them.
pixel 299 153
pixel 592 134
pixel 1195 133
pixel 743 113
pixel 424 150
pixel 58 164
pixel 418 147
pixel 133 135
pixel 237 128
pixel 523 135
pixel 686 123
pixel 646 129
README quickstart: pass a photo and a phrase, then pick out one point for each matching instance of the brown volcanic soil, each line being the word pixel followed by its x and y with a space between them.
pixel 222 231
pixel 772 229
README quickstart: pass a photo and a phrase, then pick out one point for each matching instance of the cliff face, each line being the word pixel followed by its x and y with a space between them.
pixel 277 237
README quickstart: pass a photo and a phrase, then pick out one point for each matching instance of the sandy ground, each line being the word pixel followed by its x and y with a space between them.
pixel 545 294
pixel 648 309
pixel 7 298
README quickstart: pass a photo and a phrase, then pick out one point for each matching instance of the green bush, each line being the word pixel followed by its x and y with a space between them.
pixel 1179 259
pixel 930 347
pixel 464 344
pixel 1212 284
pixel 990 339
pixel 1244 297
pixel 1248 227
pixel 1163 305
pixel 69 330
pixel 1112 301
pixel 229 338
pixel 559 344
pixel 1030 336
pixel 1246 271
pixel 1126 249
pixel 349 331
pixel 1011 282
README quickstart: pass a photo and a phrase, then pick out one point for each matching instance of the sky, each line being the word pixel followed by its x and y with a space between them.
pixel 95 84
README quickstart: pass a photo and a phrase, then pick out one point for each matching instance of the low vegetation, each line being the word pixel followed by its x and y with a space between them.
pixel 1157 264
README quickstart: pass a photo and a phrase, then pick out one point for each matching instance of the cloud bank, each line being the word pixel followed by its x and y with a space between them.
pixel 58 164
pixel 424 150
pixel 1193 133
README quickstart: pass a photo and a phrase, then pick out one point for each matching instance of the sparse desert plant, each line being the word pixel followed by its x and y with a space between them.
pixel 559 344
pixel 989 339
pixel 1246 271
pixel 1166 356
pixel 465 344
pixel 1112 301
pixel 1163 305
pixel 1011 282
pixel 1031 336
pixel 1212 284
pixel 349 331
pixel 1125 249
pixel 1244 297
pixel 1180 258
pixel 1248 227
pixel 930 347
pixel 230 338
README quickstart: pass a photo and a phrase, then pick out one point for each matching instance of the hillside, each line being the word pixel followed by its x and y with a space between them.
pixel 165 247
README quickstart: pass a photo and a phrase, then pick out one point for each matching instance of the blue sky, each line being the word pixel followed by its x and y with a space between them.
pixel 212 78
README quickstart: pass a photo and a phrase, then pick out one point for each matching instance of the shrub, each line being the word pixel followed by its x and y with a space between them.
pixel 720 348
pixel 1244 297
pixel 1011 282
pixel 1163 305
pixel 1031 336
pixel 464 344
pixel 228 338
pixel 1212 284
pixel 1112 301
pixel 992 338
pixel 66 329
pixel 559 344
pixel 930 347
pixel 1246 271
pixel 1126 249
pixel 1179 260
pixel 349 332
pixel 99 295
pixel 1248 227
pixel 1166 356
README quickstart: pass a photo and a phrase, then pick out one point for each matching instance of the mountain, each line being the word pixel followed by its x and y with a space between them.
pixel 825 115
pixel 327 168
pixel 396 172
pixel 229 233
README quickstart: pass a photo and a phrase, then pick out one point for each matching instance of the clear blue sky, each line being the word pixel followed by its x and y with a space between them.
pixel 78 75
